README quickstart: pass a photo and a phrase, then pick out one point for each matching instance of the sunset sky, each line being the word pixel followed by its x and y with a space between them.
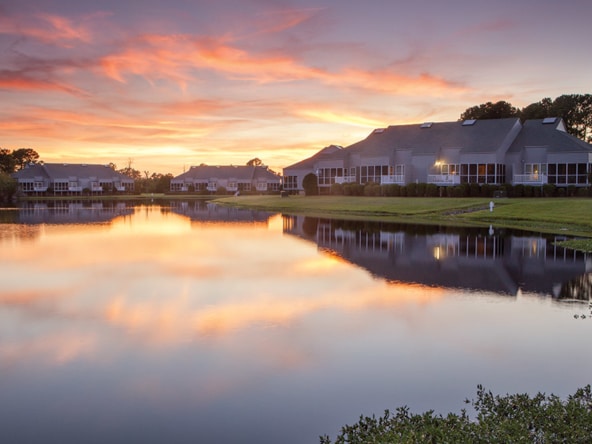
pixel 167 85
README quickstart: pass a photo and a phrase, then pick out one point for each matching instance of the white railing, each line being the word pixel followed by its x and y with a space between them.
pixel 444 179
pixel 40 188
pixel 75 189
pixel 529 179
pixel 345 179
pixel 96 188
pixel 397 179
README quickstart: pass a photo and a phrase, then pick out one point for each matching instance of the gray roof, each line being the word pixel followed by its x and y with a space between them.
pixel 550 134
pixel 331 152
pixel 55 171
pixel 478 136
pixel 244 173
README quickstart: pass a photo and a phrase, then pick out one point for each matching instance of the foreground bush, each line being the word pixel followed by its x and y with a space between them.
pixel 500 419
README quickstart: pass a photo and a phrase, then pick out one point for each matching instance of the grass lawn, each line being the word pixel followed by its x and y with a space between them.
pixel 569 216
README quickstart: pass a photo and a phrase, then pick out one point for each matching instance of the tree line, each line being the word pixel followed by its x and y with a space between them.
pixel 574 109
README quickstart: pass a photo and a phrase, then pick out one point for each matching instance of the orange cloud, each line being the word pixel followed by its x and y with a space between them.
pixel 47 28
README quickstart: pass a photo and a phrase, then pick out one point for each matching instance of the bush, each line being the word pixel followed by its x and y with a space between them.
pixel 372 189
pixel 501 419
pixel 549 190
pixel 420 190
pixel 337 189
pixel 411 189
pixel 353 189
pixel 432 190
pixel 310 184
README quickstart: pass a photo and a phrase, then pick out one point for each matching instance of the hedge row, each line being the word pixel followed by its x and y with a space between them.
pixel 463 190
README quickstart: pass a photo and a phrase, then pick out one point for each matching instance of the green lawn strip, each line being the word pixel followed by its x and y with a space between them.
pixel 577 244
pixel 562 216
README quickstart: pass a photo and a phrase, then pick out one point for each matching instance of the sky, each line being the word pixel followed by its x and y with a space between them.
pixel 160 86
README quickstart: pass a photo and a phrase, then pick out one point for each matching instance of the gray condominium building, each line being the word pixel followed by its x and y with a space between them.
pixel 496 151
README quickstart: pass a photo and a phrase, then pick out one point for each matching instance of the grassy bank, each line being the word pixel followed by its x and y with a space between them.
pixel 569 216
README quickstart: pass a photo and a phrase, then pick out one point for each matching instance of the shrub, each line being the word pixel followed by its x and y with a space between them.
pixel 432 190
pixel 549 190
pixel 474 190
pixel 420 190
pixel 512 418
pixel 518 191
pixel 411 189
pixel 310 184
pixel 372 189
pixel 337 189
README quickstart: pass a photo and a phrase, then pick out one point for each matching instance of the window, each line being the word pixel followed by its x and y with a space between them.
pixel 568 173
pixel 326 176
pixel 373 173
pixel 60 186
pixel 482 173
pixel 290 182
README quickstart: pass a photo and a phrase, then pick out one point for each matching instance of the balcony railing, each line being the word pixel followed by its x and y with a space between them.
pixel 444 179
pixel 529 179
pixel 397 179
pixel 345 179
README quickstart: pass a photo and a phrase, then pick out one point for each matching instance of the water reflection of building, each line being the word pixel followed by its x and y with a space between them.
pixel 71 212
pixel 469 258
pixel 204 211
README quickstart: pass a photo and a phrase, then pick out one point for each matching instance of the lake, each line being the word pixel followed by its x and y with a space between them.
pixel 186 322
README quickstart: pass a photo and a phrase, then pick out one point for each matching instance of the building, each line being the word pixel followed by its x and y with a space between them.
pixel 233 178
pixel 494 151
pixel 71 179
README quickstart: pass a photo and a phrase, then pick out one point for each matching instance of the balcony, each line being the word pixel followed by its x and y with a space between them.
pixel 444 179
pixel 529 179
pixel 345 179
pixel 396 179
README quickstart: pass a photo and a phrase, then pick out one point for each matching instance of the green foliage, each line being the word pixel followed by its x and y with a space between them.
pixel 337 189
pixel 515 418
pixel 8 186
pixel 574 109
pixel 549 190
pixel 310 184
pixel 372 189
pixel 11 161
pixel 489 110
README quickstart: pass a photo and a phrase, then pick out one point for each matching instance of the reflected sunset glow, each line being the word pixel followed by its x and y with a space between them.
pixel 132 321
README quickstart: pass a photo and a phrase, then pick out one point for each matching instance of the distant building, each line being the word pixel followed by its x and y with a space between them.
pixel 245 178
pixel 71 179
pixel 495 151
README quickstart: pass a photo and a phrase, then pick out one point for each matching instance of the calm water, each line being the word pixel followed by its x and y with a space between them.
pixel 189 323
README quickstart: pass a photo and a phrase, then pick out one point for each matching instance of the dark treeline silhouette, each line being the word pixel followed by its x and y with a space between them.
pixel 574 109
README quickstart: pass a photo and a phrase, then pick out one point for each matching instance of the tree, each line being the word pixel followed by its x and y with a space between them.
pixel 24 156
pixel 310 184
pixel 7 186
pixel 538 110
pixel 255 162
pixel 574 109
pixel 489 110
pixel 6 161
pixel 576 112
